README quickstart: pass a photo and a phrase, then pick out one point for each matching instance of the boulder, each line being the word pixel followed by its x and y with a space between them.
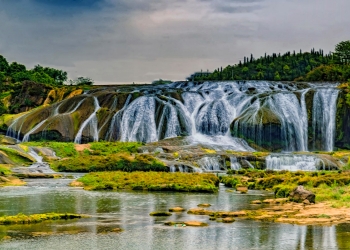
pixel 256 202
pixel 176 209
pixel 199 211
pixel 242 189
pixel 299 194
pixel 196 224
pixel 228 220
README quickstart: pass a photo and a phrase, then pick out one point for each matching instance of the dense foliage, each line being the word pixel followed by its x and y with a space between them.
pixel 308 66
pixel 16 72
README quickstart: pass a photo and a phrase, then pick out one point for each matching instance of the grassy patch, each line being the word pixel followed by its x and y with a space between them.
pixel 36 218
pixel 5 169
pixel 151 181
pixel 16 156
pixel 62 149
pixel 113 162
pixel 328 186
pixel 107 148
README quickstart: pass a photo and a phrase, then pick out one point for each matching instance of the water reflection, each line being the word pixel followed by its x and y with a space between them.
pixel 129 211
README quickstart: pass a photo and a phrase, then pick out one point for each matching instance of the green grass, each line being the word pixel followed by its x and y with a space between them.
pixel 16 156
pixel 36 218
pixel 329 186
pixel 62 149
pixel 113 162
pixel 107 148
pixel 4 170
pixel 151 181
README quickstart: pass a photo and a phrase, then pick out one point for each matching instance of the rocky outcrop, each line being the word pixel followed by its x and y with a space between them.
pixel 31 95
pixel 299 194
pixel 262 128
pixel 342 137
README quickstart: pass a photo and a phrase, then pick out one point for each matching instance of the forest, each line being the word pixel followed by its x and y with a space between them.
pixel 290 66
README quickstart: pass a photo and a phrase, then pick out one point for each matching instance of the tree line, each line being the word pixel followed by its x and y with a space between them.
pixel 290 66
pixel 11 73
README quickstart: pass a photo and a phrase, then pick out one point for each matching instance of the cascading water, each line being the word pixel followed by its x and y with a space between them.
pixel 91 123
pixel 294 162
pixel 210 164
pixel 234 163
pixel 225 115
pixel 323 118
pixel 138 123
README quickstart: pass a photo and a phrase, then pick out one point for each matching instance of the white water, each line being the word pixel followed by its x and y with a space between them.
pixel 37 157
pixel 91 123
pixel 293 162
pixel 206 112
pixel 209 164
pixel 234 163
pixel 323 119
pixel 138 122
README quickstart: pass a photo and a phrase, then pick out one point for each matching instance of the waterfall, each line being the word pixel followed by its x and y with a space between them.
pixel 210 164
pixel 138 122
pixel 54 112
pixel 14 130
pixel 172 169
pixel 293 162
pixel 234 163
pixel 222 115
pixel 113 132
pixel 92 122
pixel 38 158
pixel 323 119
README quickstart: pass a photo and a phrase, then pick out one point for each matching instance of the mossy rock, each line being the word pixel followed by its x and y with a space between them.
pixel 160 213
pixel 177 209
pixel 204 205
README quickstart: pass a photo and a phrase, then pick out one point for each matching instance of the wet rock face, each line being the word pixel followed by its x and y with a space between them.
pixel 342 137
pixel 268 115
pixel 299 194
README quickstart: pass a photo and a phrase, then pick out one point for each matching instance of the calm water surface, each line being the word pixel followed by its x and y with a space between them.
pixel 130 212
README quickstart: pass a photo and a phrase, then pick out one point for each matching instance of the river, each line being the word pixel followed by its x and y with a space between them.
pixel 130 212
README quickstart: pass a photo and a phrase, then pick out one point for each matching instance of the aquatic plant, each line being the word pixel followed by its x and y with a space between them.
pixel 151 181
pixel 37 218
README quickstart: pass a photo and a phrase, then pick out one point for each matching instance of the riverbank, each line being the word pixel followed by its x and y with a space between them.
pixel 280 212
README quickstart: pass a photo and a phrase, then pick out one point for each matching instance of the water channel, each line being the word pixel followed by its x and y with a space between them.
pixel 130 212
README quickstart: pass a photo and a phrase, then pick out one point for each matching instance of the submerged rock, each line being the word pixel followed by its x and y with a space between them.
pixel 204 205
pixel 299 194
pixel 177 209
pixel 160 213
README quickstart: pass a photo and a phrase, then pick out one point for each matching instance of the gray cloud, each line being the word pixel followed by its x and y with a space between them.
pixel 126 41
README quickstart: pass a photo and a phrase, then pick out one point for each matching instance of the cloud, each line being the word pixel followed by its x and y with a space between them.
pixel 126 41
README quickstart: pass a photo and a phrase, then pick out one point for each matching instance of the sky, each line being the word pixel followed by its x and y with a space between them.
pixel 125 41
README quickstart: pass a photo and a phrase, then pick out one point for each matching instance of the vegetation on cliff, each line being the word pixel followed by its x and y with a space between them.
pixel 151 181
pixel 22 89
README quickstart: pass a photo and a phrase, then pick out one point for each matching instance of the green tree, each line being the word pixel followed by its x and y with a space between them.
pixel 4 65
pixel 342 52
pixel 16 68
pixel 277 76
pixel 58 76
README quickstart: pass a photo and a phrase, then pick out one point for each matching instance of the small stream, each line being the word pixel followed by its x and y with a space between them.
pixel 130 212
